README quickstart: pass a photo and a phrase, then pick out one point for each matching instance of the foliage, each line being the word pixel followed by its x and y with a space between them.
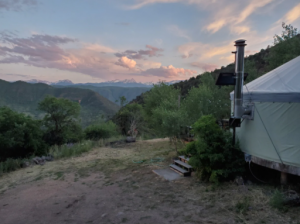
pixel 163 110
pixel 101 131
pixel 286 48
pixel 69 150
pixel 130 119
pixel 288 32
pixel 213 155
pixel 243 205
pixel 277 201
pixel 122 100
pixel 20 135
pixel 207 99
pixel 11 165
pixel 61 120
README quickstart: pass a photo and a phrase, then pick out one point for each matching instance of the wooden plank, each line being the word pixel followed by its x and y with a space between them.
pixel 179 169
pixel 184 158
pixel 183 164
pixel 276 166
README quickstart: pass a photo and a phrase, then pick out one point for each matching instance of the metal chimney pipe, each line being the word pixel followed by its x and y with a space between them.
pixel 239 73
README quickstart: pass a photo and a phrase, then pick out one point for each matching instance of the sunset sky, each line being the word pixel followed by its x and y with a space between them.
pixel 147 40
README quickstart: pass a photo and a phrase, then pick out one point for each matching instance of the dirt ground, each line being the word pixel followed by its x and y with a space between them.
pixel 113 185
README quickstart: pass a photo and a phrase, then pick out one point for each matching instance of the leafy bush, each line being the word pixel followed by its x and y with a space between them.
pixel 213 155
pixel 101 130
pixel 20 135
pixel 10 165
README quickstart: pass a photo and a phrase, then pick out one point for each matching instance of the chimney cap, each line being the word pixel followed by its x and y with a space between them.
pixel 240 42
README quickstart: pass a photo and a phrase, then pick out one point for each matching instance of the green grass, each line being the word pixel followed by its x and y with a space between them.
pixel 58 152
pixel 243 205
pixel 277 201
pixel 11 165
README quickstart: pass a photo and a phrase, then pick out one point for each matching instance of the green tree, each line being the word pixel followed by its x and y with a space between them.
pixel 131 118
pixel 288 32
pixel 61 120
pixel 285 48
pixel 122 100
pixel 164 112
pixel 207 99
pixel 20 135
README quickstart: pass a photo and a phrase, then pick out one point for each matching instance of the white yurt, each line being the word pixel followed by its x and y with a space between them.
pixel 273 134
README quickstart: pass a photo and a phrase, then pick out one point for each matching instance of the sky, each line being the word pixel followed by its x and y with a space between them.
pixel 147 40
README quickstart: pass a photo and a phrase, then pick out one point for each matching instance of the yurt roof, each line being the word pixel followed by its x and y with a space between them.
pixel 279 85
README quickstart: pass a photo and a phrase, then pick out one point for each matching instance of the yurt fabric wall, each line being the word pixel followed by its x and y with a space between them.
pixel 274 133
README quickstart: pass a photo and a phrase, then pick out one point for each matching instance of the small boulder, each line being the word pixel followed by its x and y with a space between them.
pixel 239 180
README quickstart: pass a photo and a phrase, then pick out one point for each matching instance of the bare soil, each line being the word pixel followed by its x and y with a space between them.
pixel 116 185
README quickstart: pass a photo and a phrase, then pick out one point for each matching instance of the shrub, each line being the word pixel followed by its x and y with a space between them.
pixel 64 151
pixel 20 135
pixel 213 155
pixel 101 130
pixel 10 165
pixel 277 201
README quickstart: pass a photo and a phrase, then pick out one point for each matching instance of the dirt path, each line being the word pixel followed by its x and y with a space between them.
pixel 106 185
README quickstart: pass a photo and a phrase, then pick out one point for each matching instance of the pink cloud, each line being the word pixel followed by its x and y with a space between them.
pixel 126 62
pixel 169 72
pixel 45 51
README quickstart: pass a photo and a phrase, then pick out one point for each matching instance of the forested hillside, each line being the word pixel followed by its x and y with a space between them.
pixel 24 97
pixel 113 93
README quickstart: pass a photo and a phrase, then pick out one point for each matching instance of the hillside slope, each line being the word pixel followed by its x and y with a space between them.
pixel 24 97
pixel 113 93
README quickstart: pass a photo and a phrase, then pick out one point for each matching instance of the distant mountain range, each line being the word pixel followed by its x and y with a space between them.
pixel 117 82
pixel 24 97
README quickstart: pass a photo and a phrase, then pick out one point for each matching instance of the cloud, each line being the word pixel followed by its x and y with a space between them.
pixel 215 26
pixel 150 52
pixel 126 62
pixel 169 72
pixel 174 29
pixel 16 5
pixel 46 51
pixel 292 15
pixel 37 47
pixel 204 66
pixel 142 3
pixel 240 29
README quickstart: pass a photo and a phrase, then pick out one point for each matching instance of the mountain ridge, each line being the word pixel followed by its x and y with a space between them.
pixel 24 97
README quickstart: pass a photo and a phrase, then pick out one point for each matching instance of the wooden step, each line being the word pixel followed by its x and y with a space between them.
pixel 189 167
pixel 180 170
pixel 184 159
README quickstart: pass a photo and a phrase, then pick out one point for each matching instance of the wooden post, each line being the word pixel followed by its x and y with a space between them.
pixel 233 136
pixel 283 178
pixel 178 101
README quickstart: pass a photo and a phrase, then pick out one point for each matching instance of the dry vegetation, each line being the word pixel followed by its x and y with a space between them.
pixel 107 185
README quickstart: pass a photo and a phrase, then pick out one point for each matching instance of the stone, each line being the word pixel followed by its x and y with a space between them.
pixel 239 180
pixel 25 164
